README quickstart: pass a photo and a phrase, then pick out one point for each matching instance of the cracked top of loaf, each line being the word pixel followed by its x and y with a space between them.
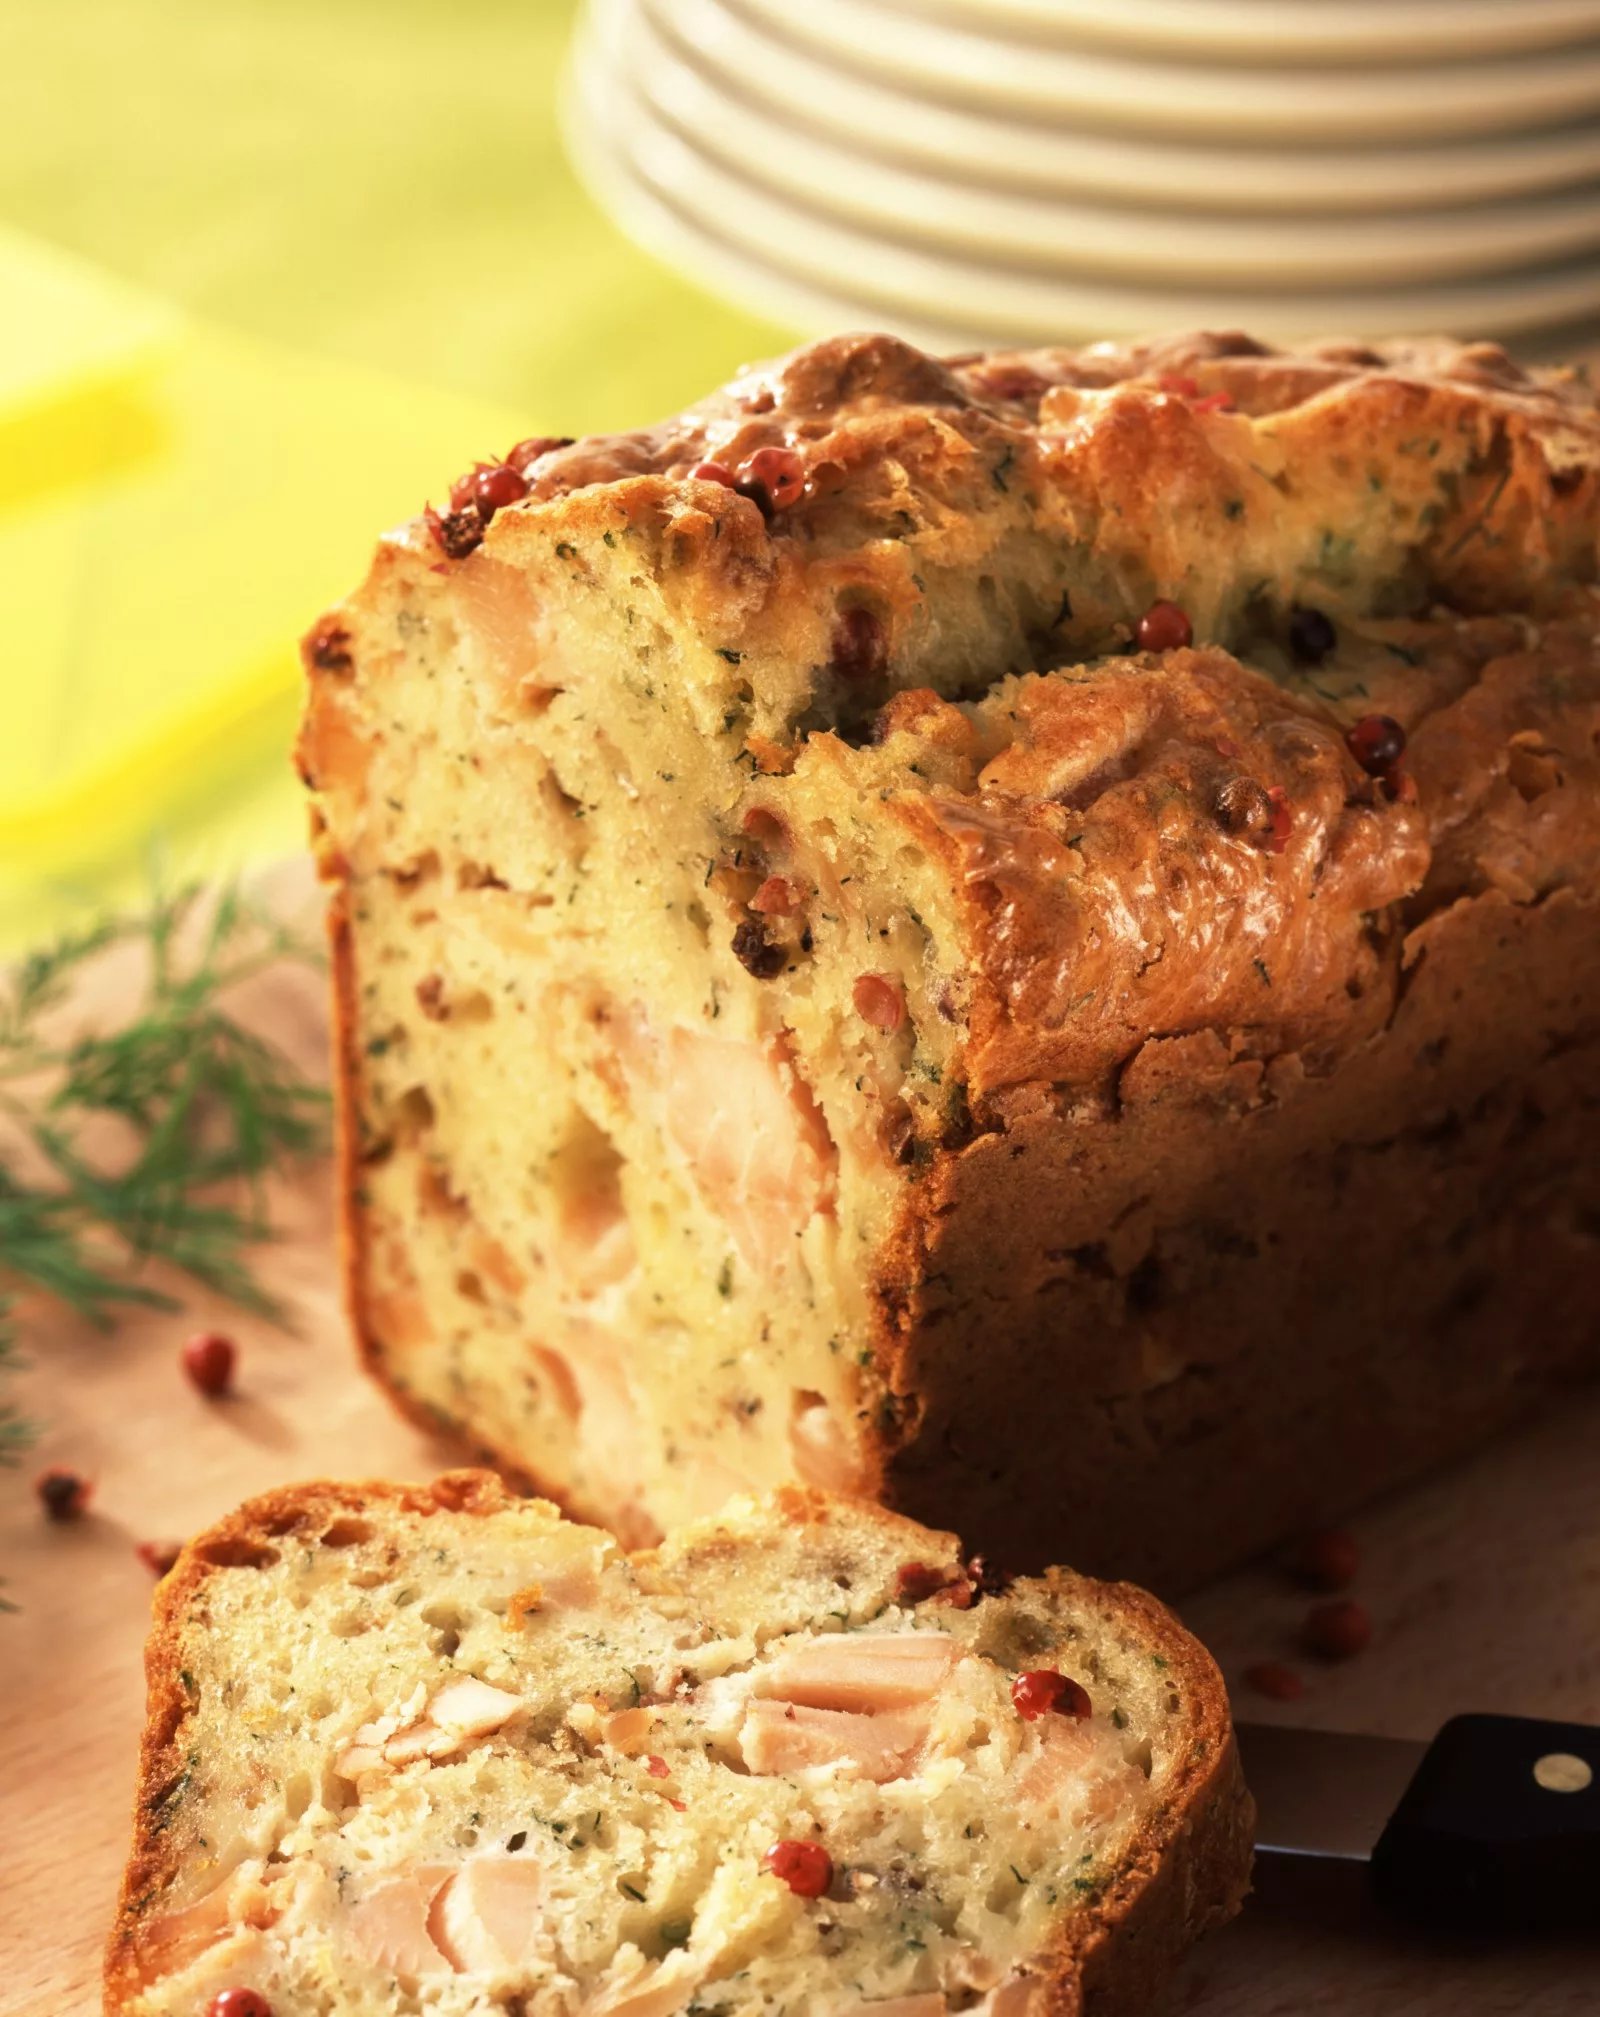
pixel 1217 457
pixel 946 616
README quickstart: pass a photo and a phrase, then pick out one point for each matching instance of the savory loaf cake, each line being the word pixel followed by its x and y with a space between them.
pixel 434 1749
pixel 1014 935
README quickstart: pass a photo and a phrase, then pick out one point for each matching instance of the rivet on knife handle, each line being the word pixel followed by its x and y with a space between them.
pixel 1498 1830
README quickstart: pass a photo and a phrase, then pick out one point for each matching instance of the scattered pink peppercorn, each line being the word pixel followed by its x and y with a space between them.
pixel 1273 1679
pixel 1179 384
pixel 915 1581
pixel 1337 1631
pixel 1045 1692
pixel 714 472
pixel 879 1001
pixel 64 1494
pixel 658 1768
pixel 780 472
pixel 806 1867
pixel 1328 1560
pixel 1377 742
pixel 496 486
pixel 159 1557
pixel 209 1359
pixel 238 2003
pixel 1164 627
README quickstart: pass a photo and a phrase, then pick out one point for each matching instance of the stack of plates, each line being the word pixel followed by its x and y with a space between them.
pixel 1036 170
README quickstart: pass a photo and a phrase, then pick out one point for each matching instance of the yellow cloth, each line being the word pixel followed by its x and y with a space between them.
pixel 334 253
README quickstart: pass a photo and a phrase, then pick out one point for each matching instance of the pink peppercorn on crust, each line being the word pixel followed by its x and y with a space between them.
pixel 1013 935
pixel 437 1750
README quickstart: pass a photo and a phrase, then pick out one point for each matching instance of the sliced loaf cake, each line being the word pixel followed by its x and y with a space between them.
pixel 437 1750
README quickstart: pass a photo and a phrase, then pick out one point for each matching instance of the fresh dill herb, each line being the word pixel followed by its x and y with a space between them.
pixel 204 1107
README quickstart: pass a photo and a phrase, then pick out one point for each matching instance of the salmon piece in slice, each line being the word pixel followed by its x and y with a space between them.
pixel 1080 1773
pixel 498 609
pixel 789 1737
pixel 648 1991
pixel 461 1711
pixel 388 1928
pixel 472 1708
pixel 864 1671
pixel 628 1728
pixel 755 1140
pixel 486 1920
pixel 589 1372
pixel 1015 1997
pixel 819 1449
pixel 567 1571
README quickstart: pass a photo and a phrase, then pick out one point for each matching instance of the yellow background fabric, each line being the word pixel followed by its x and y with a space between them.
pixel 332 252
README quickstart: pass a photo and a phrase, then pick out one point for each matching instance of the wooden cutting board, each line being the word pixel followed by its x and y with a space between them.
pixel 1484 1584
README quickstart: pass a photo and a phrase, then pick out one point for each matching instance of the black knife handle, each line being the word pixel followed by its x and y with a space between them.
pixel 1498 1831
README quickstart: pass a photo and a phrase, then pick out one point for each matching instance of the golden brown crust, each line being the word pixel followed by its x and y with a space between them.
pixel 893 425
pixel 1167 845
pixel 1242 1297
pixel 1186 1870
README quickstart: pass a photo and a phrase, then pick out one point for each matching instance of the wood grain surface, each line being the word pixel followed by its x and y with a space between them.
pixel 1484 1585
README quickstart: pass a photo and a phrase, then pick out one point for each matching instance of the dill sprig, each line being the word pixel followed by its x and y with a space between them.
pixel 206 1110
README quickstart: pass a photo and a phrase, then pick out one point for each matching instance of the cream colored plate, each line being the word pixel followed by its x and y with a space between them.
pixel 744 64
pixel 1319 103
pixel 769 254
pixel 1263 252
pixel 1292 31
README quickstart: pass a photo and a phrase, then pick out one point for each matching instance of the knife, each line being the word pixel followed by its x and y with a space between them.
pixel 1494 1826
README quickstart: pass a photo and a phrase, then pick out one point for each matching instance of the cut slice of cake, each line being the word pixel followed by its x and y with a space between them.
pixel 1014 936
pixel 435 1749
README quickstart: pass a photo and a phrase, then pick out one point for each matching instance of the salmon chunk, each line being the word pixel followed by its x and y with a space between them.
pixel 754 1139
pixel 461 1711
pixel 388 1928
pixel 864 1671
pixel 789 1737
pixel 1080 1773
pixel 486 1920
pixel 648 1991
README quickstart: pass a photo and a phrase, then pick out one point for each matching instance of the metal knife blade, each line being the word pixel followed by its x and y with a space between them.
pixel 1322 1793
